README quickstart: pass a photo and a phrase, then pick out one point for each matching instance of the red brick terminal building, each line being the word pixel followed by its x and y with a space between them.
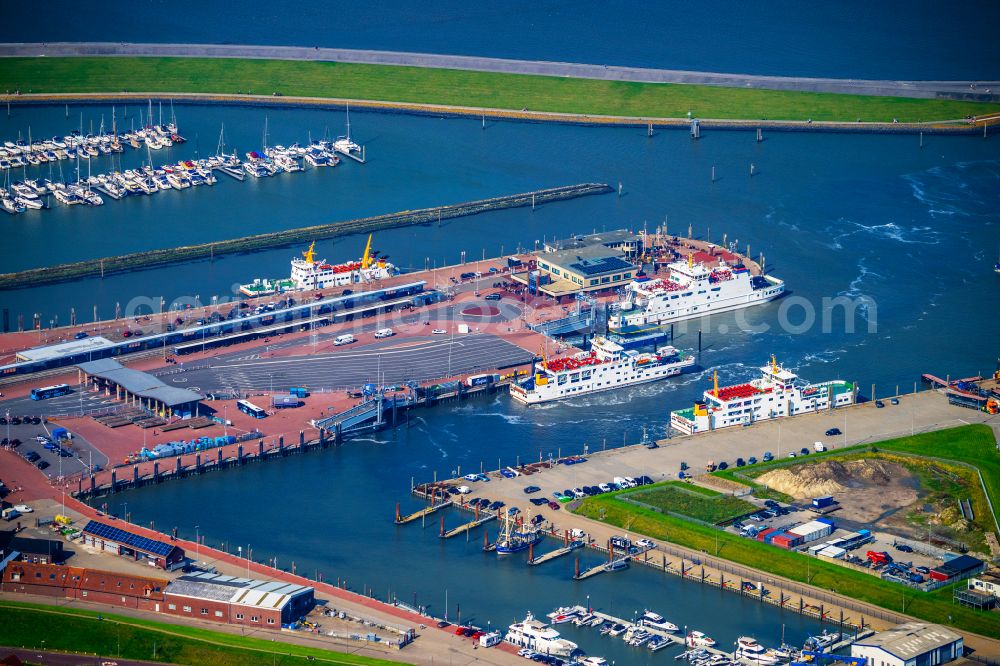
pixel 233 600
pixel 103 587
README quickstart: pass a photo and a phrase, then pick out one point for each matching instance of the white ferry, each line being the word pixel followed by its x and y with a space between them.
pixel 777 393
pixel 310 273
pixel 690 290
pixel 539 637
pixel 606 366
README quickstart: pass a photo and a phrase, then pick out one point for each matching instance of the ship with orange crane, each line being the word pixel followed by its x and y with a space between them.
pixel 606 366
pixel 308 272
pixel 777 393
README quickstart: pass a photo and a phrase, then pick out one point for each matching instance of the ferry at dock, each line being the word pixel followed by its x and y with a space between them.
pixel 539 637
pixel 691 289
pixel 776 394
pixel 606 366
pixel 310 273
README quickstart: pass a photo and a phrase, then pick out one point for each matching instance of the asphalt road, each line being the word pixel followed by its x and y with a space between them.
pixel 388 362
pixel 62 659
pixel 929 89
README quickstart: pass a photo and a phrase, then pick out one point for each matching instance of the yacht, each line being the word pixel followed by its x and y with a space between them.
pixel 178 181
pixel 539 637
pixel 699 639
pixel 34 203
pixel 657 621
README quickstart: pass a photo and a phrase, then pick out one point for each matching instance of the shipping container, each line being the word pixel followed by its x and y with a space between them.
pixel 299 391
pixel 824 520
pixel 282 401
pixel 482 380
pixel 763 534
pixel 833 552
pixel 812 530
pixel 822 502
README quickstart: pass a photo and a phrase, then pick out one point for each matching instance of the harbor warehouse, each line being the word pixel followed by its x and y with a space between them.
pixel 910 644
pixel 114 540
pixel 232 600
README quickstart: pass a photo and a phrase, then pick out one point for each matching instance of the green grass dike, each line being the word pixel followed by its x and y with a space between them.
pixel 419 85
pixel 84 632
pixel 973 446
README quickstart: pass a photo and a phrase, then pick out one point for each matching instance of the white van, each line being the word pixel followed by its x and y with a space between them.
pixel 819 447
pixel 384 333
pixel 344 339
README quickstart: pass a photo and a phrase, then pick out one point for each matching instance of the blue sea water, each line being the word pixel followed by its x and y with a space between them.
pixel 922 40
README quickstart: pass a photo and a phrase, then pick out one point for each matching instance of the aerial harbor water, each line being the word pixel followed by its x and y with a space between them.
pixel 883 249
pixel 900 224
pixel 888 40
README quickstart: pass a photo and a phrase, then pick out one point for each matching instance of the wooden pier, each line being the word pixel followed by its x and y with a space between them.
pixel 568 547
pixel 417 515
pixel 602 567
pixel 462 529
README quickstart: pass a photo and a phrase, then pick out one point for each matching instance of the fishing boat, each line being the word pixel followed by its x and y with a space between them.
pixel 539 637
pixel 606 366
pixel 516 536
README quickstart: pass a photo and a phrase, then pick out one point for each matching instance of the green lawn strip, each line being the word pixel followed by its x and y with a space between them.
pixel 935 607
pixel 462 88
pixel 79 630
pixel 692 501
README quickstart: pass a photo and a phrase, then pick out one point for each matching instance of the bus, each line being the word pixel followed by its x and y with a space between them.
pixel 251 409
pixel 49 391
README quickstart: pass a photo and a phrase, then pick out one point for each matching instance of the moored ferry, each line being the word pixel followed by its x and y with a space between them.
pixel 690 290
pixel 310 273
pixel 606 366
pixel 776 394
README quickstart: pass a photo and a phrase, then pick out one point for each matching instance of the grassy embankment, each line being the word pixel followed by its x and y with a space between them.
pixel 80 631
pixel 461 88
pixel 972 445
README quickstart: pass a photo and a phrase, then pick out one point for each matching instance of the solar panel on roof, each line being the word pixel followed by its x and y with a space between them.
pixel 600 265
pixel 136 541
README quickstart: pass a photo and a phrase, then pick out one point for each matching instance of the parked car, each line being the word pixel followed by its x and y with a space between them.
pixel 42 464
pixel 740 462
pixel 752 460
pixel 879 404
pixel 531 489
pixel 768 456
pixel 554 506
pixel 539 501
pixel 894 401
pixel 493 297
pixel 439 331
pixel 832 432
pixel 723 465
pixel 804 451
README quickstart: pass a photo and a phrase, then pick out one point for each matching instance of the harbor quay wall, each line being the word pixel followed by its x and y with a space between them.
pixel 788 595
pixel 985 124
pixel 137 260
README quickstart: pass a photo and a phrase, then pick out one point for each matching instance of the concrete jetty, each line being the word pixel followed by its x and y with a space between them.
pixel 465 527
pixel 129 262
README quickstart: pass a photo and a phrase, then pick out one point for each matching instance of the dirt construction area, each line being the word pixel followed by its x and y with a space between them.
pixel 867 490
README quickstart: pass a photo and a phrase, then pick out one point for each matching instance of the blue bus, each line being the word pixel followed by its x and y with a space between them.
pixel 49 391
pixel 250 409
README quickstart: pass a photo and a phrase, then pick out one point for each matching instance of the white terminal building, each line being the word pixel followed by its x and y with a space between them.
pixel 910 644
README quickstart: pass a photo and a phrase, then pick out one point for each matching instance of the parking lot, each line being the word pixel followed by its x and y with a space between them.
pixel 22 435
